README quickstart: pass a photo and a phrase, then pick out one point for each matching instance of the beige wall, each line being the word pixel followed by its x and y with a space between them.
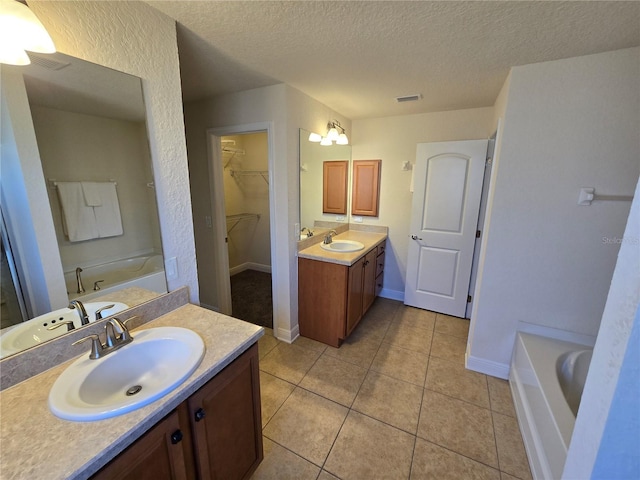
pixel 394 140
pixel 134 38
pixel 286 110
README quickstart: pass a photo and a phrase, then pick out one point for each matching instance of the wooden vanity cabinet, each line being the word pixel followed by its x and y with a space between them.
pixel 158 455
pixel 215 434
pixel 333 298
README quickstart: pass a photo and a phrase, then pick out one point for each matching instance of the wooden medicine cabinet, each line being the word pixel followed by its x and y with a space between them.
pixel 334 186
pixel 365 196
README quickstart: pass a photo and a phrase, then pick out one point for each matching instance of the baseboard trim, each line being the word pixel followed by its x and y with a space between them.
pixel 288 336
pixel 392 294
pixel 488 367
pixel 249 266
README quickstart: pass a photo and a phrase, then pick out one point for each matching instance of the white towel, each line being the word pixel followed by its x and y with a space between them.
pixel 91 191
pixel 78 220
pixel 107 215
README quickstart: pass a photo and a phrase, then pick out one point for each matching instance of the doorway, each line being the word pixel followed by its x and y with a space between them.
pixel 240 166
pixel 246 200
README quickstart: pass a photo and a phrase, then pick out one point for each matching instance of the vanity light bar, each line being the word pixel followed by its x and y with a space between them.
pixel 409 98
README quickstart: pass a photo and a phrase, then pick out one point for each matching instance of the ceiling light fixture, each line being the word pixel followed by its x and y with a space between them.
pixel 21 31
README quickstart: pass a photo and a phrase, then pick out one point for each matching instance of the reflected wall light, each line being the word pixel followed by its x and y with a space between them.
pixel 335 133
pixel 21 31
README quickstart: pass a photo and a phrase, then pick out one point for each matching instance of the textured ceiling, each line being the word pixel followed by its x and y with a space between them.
pixel 356 57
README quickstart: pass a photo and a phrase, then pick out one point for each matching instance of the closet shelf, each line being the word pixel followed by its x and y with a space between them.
pixel 251 173
pixel 238 218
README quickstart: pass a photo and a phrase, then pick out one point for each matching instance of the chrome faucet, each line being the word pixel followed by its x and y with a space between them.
pixel 309 232
pixel 328 236
pixel 79 280
pixel 117 336
pixel 82 313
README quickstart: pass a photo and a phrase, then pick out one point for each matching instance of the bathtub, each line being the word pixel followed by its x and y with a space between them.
pixel 547 378
pixel 146 271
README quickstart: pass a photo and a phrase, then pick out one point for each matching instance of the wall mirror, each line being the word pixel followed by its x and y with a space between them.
pixel 89 126
pixel 312 159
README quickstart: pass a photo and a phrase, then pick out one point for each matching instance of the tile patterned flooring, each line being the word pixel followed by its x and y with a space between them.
pixel 393 402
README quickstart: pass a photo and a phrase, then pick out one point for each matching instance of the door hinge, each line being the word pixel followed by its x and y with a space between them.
pixel 469 298
pixel 478 233
pixel 226 239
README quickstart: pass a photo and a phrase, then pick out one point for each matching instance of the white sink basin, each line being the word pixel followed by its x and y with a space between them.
pixel 35 331
pixel 342 246
pixel 157 361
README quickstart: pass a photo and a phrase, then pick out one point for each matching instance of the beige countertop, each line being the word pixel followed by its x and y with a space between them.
pixel 369 239
pixel 35 444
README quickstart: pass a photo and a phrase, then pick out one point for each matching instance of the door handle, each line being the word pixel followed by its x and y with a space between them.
pixel 415 237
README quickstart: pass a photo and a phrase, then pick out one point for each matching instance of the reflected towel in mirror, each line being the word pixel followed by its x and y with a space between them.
pixel 78 219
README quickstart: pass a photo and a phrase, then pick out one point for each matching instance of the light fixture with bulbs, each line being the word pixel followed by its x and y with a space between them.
pixel 21 31
pixel 335 133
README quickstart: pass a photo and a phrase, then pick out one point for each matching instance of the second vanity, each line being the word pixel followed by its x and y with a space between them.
pixel 335 289
pixel 208 427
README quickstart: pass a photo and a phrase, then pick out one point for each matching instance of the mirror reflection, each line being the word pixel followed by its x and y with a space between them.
pixel 91 142
pixel 312 160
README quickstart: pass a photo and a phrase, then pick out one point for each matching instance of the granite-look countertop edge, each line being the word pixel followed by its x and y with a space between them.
pixel 54 448
pixel 369 239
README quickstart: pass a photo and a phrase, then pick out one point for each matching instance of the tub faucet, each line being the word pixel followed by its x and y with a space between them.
pixel 82 313
pixel 328 236
pixel 79 280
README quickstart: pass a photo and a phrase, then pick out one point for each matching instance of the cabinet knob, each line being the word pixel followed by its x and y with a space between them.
pixel 176 437
pixel 200 414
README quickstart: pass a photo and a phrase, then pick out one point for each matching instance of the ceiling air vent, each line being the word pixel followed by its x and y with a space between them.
pixel 47 63
pixel 409 98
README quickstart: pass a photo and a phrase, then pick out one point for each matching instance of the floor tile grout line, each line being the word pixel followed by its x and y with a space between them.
pixel 462 454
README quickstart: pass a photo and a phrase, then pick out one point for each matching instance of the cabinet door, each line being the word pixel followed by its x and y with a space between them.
pixel 354 301
pixel 369 280
pixel 366 187
pixel 157 455
pixel 334 187
pixel 226 421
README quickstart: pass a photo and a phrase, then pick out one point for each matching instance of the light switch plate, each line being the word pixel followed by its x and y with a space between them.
pixel 171 267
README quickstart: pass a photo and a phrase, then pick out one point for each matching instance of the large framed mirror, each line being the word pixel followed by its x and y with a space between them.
pixel 72 123
pixel 312 161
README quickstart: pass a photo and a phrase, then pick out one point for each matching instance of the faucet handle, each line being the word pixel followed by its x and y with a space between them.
pixel 69 323
pixel 96 287
pixel 96 346
pixel 100 310
pixel 113 324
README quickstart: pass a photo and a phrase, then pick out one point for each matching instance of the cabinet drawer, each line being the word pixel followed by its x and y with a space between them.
pixel 379 279
pixel 380 264
pixel 381 248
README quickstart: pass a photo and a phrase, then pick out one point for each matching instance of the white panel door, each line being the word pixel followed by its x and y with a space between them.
pixel 444 215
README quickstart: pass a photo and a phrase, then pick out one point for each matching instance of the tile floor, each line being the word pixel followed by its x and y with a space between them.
pixel 393 402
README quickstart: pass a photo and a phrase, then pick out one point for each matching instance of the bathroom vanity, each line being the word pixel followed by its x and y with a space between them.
pixel 207 427
pixel 335 289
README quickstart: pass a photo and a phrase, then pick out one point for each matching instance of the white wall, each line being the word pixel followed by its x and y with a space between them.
pixel 567 124
pixel 24 196
pixel 287 110
pixel 605 438
pixel 77 147
pixel 394 140
pixel 134 38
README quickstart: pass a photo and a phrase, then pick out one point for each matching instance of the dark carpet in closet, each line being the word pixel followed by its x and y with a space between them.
pixel 251 299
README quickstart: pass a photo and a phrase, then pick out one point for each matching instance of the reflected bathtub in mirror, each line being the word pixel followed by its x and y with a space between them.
pixel 73 121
